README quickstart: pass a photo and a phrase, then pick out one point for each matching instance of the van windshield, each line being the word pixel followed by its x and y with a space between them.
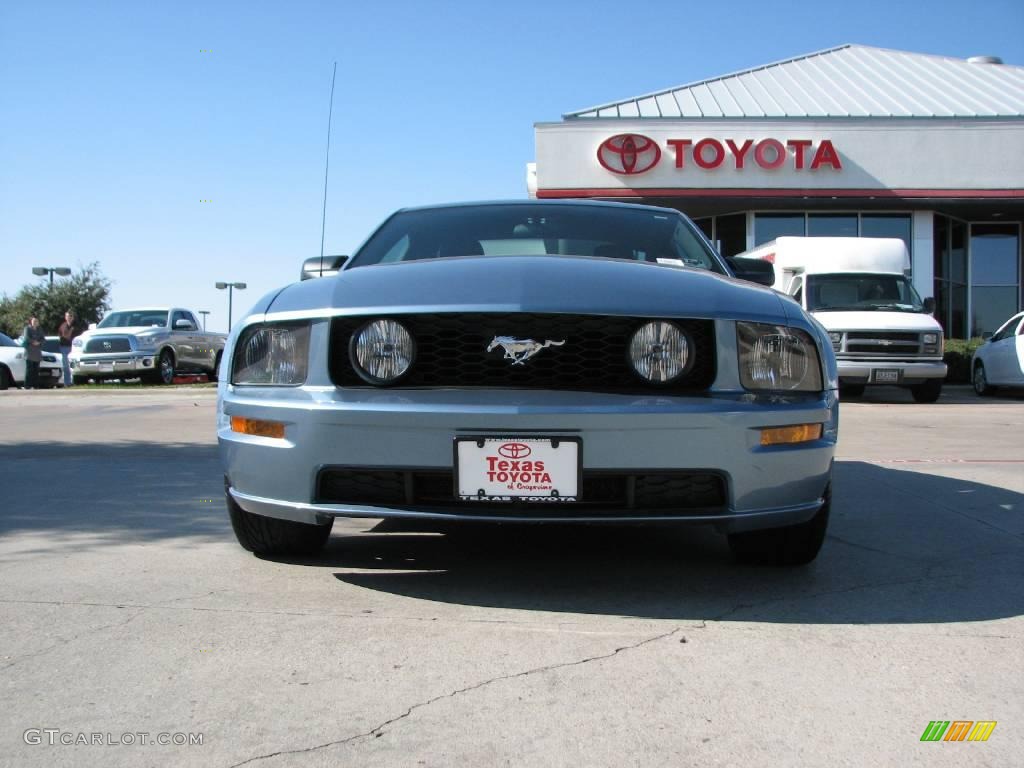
pixel 861 292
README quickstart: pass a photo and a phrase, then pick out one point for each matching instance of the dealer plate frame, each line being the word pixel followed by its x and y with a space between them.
pixel 532 501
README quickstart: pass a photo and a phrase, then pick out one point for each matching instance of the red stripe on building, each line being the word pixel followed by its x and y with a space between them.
pixel 754 193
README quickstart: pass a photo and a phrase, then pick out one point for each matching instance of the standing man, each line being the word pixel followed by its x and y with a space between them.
pixel 68 330
pixel 33 338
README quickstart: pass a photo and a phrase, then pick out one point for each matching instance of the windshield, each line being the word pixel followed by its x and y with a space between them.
pixel 135 317
pixel 861 292
pixel 539 230
pixel 6 341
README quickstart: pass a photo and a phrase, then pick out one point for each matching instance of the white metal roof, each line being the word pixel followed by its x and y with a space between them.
pixel 847 81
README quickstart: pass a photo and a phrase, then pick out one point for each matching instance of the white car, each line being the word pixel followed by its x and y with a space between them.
pixel 12 366
pixel 1000 361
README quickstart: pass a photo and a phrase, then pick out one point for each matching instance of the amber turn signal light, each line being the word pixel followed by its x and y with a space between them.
pixel 257 427
pixel 799 433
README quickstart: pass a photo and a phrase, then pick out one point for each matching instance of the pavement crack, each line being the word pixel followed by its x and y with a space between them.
pixel 61 642
pixel 378 730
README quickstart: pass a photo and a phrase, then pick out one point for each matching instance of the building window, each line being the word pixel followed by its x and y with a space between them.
pixel 727 233
pixel 950 265
pixel 832 225
pixel 732 233
pixel 995 275
pixel 769 226
pixel 886 225
pixel 707 226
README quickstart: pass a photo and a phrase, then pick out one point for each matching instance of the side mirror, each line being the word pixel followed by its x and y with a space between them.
pixel 92 326
pixel 929 305
pixel 316 266
pixel 753 270
pixel 184 325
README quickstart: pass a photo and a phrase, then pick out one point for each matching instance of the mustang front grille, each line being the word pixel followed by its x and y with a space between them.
pixel 452 351
pixel 602 492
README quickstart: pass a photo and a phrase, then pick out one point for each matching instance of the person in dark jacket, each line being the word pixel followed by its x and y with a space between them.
pixel 68 330
pixel 33 338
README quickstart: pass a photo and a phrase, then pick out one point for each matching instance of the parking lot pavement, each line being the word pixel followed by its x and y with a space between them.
pixel 126 608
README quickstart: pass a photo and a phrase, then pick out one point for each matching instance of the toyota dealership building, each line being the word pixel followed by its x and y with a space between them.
pixel 851 141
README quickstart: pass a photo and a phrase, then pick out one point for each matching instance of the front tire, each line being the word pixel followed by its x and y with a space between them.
pixel 6 380
pixel 928 391
pixel 981 386
pixel 212 376
pixel 270 536
pixel 788 546
pixel 165 368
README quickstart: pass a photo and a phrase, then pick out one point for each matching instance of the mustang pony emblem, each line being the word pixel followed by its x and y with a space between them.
pixel 520 350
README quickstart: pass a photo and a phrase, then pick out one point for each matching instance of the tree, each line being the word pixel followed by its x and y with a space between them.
pixel 86 293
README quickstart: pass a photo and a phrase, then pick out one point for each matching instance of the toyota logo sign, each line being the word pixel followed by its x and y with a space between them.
pixel 514 450
pixel 628 154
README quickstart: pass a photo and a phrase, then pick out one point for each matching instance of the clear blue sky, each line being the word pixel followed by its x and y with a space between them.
pixel 115 124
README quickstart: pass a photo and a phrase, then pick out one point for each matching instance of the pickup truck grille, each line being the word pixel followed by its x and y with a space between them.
pixel 108 344
pixel 452 352
pixel 882 345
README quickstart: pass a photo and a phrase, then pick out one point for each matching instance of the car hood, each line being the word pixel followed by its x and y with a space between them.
pixel 877 321
pixel 557 284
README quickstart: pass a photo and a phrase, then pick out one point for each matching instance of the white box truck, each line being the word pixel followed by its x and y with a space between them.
pixel 857 287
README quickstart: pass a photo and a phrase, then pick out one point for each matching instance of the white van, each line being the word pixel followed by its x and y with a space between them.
pixel 857 287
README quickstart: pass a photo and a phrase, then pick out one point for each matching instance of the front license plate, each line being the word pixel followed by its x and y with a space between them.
pixel 106 367
pixel 535 469
pixel 887 376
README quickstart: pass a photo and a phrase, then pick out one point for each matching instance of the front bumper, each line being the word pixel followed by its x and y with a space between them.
pixel 50 375
pixel 113 365
pixel 330 427
pixel 863 371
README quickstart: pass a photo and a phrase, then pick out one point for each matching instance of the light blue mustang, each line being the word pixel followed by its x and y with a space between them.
pixel 531 362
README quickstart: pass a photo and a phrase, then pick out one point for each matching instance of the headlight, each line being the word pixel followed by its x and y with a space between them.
pixel 660 352
pixel 382 352
pixel 777 358
pixel 836 338
pixel 145 343
pixel 275 355
pixel 77 342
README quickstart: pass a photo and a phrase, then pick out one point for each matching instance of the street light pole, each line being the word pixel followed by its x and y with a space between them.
pixel 204 313
pixel 62 271
pixel 231 287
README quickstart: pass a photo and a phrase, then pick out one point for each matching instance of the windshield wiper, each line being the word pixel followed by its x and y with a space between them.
pixel 899 307
pixel 844 308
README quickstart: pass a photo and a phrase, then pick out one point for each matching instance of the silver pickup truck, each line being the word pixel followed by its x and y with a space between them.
pixel 153 343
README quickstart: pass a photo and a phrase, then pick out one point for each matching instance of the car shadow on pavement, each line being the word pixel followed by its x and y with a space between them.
pixel 112 492
pixel 903 547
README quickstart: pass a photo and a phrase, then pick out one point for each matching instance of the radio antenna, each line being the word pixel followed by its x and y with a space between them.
pixel 327 164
